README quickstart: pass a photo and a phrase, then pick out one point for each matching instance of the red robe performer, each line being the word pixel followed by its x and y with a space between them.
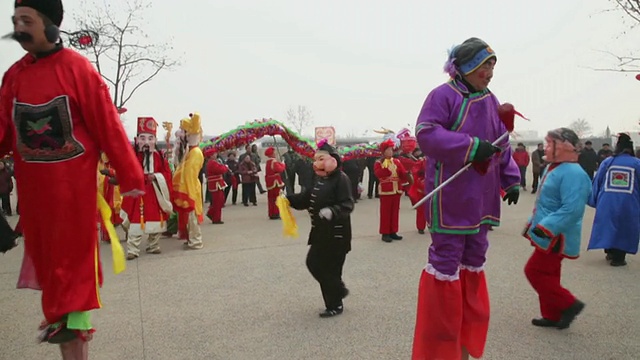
pixel 56 115
pixel 274 181
pixel 148 214
pixel 216 186
pixel 417 192
pixel 391 175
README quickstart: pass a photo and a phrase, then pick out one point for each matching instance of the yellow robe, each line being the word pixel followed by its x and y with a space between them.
pixel 186 186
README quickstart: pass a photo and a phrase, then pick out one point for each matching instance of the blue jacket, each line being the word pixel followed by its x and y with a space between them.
pixel 562 198
pixel 616 197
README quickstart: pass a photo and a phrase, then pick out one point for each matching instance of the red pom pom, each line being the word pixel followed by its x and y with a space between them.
pixel 85 40
pixel 638 77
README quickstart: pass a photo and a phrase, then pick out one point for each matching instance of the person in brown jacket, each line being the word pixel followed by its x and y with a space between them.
pixel 6 187
pixel 248 176
pixel 538 165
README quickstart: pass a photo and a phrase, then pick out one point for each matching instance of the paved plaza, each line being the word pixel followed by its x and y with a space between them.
pixel 248 295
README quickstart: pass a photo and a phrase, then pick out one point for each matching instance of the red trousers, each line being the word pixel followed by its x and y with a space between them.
pixel 421 221
pixel 451 314
pixel 389 213
pixel 215 207
pixel 543 271
pixel 272 195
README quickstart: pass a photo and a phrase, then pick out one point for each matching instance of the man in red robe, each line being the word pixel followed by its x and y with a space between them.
pixel 56 115
pixel 215 186
pixel 391 175
pixel 274 181
pixel 149 213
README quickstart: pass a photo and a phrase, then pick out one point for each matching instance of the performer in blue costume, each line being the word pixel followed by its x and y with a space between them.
pixel 616 198
pixel 555 228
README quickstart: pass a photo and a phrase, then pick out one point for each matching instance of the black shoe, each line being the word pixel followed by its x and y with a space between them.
pixel 387 238
pixel 617 263
pixel 255 204
pixel 542 322
pixel 274 217
pixel 369 196
pixel 533 191
pixel 245 204
pixel 421 232
pixel 395 236
pixel 218 222
pixel 570 314
pixel 609 257
pixel 331 313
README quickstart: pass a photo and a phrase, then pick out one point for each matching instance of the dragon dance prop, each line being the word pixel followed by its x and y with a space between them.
pixel 252 131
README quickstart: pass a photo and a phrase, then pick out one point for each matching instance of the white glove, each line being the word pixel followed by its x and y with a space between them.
pixel 326 213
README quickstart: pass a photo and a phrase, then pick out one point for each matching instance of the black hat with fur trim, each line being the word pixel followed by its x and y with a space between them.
pixel 52 9
pixel 624 143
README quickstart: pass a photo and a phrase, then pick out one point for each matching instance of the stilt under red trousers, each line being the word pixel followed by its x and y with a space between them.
pixel 215 207
pixel 452 314
pixel 543 271
pixel 421 221
pixel 272 195
pixel 183 220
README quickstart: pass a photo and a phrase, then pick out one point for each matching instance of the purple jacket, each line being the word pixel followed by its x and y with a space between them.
pixel 451 124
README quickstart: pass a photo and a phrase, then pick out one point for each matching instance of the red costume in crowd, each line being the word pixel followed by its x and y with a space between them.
pixel 148 214
pixel 111 193
pixel 408 143
pixel 417 192
pixel 274 181
pixel 216 186
pixel 391 175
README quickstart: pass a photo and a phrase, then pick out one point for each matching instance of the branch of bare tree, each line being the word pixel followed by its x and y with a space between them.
pixel 122 56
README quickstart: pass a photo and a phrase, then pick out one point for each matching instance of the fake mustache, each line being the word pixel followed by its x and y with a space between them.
pixel 21 37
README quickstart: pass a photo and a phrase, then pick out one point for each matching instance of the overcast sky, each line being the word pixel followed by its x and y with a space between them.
pixel 364 64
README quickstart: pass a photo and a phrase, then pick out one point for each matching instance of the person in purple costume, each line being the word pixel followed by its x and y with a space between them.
pixel 457 125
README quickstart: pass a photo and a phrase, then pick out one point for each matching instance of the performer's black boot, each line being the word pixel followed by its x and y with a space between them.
pixel 395 236
pixel 387 238
pixel 332 312
pixel 570 314
pixel 542 322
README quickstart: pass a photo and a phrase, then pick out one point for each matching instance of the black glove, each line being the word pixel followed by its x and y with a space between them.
pixel 484 151
pixel 113 181
pixel 512 196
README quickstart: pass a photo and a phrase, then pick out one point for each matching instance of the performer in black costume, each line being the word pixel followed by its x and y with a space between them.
pixel 330 204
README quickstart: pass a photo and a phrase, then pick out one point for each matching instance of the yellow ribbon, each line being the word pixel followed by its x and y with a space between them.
pixel 386 163
pixel 289 226
pixel 117 253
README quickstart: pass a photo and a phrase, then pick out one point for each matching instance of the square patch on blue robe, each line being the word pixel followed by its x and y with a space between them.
pixel 620 179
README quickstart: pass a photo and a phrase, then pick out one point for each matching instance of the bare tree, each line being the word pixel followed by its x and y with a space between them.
pixel 299 118
pixel 631 11
pixel 123 55
pixel 581 127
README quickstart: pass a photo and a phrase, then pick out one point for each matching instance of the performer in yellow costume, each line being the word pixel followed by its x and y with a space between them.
pixel 186 186
pixel 110 191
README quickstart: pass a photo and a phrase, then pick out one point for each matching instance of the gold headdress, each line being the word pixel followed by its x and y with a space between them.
pixel 192 125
